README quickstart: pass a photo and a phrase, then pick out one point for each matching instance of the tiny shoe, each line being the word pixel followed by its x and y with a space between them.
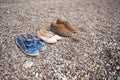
pixel 60 29
pixel 27 46
pixel 45 37
pixel 40 45
pixel 67 25
pixel 49 33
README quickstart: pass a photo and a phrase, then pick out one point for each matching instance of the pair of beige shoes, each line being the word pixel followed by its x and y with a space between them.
pixel 63 27
pixel 47 36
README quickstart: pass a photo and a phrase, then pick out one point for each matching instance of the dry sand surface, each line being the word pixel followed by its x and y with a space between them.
pixel 91 54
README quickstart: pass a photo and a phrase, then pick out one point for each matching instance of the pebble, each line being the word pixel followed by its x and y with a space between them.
pixel 28 64
pixel 118 67
pixel 118 78
pixel 0 48
pixel 64 78
pixel 8 11
pixel 36 75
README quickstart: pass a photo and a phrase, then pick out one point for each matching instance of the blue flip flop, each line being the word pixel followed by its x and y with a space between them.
pixel 40 45
pixel 27 46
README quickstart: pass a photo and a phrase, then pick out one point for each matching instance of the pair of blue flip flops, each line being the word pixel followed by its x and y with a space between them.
pixel 29 44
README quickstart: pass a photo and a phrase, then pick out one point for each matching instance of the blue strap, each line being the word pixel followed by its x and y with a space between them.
pixel 33 39
pixel 30 42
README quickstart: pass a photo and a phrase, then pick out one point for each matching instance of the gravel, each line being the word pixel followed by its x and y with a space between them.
pixel 91 54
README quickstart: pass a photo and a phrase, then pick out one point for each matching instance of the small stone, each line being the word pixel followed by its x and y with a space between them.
pixel 8 12
pixel 117 67
pixel 28 64
pixel 0 48
pixel 36 75
pixel 40 76
pixel 118 78
pixel 82 78
pixel 86 55
pixel 64 78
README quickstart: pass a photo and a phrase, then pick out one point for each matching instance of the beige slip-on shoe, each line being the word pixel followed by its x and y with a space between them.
pixel 46 38
pixel 50 34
